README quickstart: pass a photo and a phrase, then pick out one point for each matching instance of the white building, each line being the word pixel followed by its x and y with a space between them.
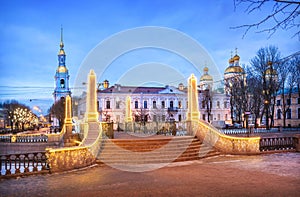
pixel 158 104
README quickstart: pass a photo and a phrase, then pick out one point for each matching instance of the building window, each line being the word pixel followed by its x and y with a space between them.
pixel 289 114
pixel 180 117
pixel 154 105
pixel 203 116
pixel 107 104
pixel 288 101
pixel 218 104
pixel 163 104
pixel 154 118
pixel 118 104
pixel 226 117
pixel 219 116
pixel 278 102
pixel 145 105
pixel 225 104
pixel 298 113
pixel 136 104
pixel 278 113
pixel 179 104
pixel 98 106
pixel 171 104
pixel 187 104
pixel 299 100
pixel 163 117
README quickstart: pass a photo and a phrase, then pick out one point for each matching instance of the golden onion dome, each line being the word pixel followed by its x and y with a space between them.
pixel 270 71
pixel 62 69
pixel 206 76
pixel 236 58
pixel 234 69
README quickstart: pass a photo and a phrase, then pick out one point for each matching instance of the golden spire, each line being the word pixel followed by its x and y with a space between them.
pixel 61 50
pixel 61 38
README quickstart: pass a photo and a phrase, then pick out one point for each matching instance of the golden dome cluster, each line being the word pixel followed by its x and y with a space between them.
pixel 234 66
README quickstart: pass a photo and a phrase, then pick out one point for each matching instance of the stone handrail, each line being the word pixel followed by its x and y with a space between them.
pixel 69 158
pixel 28 163
pixel 223 143
pixel 277 143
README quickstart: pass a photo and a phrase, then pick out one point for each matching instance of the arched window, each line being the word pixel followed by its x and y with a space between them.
pixel 62 83
pixel 136 104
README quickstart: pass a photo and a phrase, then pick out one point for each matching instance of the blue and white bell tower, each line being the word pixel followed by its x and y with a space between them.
pixel 62 74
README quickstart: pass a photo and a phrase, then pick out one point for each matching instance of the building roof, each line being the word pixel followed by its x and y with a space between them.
pixel 138 90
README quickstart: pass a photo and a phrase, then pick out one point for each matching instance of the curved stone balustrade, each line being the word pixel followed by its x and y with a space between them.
pixel 23 163
pixel 223 143
pixel 278 143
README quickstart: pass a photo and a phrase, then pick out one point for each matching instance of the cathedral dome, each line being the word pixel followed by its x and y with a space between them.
pixel 206 76
pixel 236 58
pixel 234 69
pixel 62 69
pixel 271 71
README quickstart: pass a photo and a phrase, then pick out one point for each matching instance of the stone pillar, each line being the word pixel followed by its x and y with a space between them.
pixel 68 110
pixel 68 122
pixel 193 113
pixel 68 116
pixel 128 115
pixel 91 114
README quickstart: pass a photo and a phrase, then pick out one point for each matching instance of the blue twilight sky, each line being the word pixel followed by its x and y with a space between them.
pixel 30 36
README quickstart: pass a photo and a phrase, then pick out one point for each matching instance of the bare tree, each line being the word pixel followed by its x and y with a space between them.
pixel 255 90
pixel 284 15
pixel 58 110
pixel 265 69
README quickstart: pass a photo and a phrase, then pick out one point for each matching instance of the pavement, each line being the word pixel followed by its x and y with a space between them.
pixel 227 175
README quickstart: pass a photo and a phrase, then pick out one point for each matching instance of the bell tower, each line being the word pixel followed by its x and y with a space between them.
pixel 61 77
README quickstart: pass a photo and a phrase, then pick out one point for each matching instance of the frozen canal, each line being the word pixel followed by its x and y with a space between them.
pixel 260 175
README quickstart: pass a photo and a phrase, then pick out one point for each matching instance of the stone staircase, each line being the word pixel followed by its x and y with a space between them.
pixel 152 151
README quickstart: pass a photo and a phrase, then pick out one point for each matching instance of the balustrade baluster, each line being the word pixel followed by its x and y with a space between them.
pixel 26 163
pixel 7 167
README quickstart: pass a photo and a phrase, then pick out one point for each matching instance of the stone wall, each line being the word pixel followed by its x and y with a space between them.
pixel 223 143
pixel 64 159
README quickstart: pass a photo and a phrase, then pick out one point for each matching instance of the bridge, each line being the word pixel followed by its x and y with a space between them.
pixel 63 151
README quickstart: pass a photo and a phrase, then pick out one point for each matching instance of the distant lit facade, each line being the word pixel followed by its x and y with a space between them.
pixel 157 104
pixel 292 109
pixel 62 75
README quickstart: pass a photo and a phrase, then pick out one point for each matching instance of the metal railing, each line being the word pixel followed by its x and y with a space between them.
pixel 277 144
pixel 19 164
pixel 258 130
pixel 34 138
